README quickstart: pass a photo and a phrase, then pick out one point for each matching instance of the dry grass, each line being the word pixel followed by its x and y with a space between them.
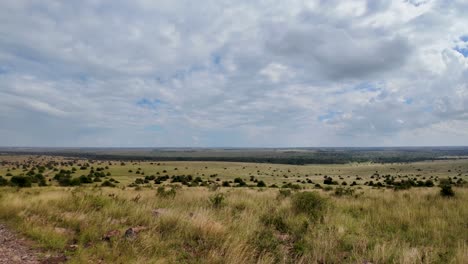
pixel 248 225
pixel 251 226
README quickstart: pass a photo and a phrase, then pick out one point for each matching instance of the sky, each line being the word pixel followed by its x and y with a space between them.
pixel 176 73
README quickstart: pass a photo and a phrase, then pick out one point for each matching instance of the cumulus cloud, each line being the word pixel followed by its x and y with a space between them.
pixel 233 73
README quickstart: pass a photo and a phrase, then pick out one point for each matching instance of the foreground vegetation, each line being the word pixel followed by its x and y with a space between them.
pixel 199 225
pixel 155 213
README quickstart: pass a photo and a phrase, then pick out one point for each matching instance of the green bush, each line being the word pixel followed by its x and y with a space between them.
pixel 107 184
pixel 309 203
pixel 21 181
pixel 446 188
pixel 240 182
pixel 429 183
pixel 3 181
pixel 275 220
pixel 217 200
pixel 284 193
pixel 75 182
pixel 265 241
pixel 161 192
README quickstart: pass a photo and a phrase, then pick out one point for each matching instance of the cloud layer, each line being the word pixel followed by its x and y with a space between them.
pixel 233 73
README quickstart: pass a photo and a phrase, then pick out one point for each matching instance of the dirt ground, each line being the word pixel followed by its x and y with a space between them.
pixel 15 249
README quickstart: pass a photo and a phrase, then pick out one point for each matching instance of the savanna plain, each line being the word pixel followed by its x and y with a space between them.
pixel 129 211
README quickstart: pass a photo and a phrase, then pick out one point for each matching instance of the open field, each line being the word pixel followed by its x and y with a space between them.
pixel 302 214
pixel 306 175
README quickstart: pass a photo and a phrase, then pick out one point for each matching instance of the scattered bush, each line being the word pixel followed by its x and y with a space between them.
pixel 240 182
pixel 429 183
pixel 107 184
pixel 329 181
pixel 21 181
pixel 3 181
pixel 309 203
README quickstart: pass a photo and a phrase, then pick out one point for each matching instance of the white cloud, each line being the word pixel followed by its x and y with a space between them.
pixel 235 73
pixel 276 72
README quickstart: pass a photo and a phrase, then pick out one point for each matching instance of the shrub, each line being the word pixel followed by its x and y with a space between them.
pixel 226 184
pixel 265 240
pixel 261 184
pixel 240 182
pixel 292 186
pixel 275 220
pixel 3 181
pixel 284 193
pixel 446 188
pixel 217 200
pixel 161 192
pixel 429 183
pixel 139 181
pixel 85 179
pixel 160 179
pixel 21 181
pixel 107 184
pixel 309 203
pixel 329 181
pixel 75 182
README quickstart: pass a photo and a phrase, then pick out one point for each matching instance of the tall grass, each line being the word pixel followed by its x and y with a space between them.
pixel 246 226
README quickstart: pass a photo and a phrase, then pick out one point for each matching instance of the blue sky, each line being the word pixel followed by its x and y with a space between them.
pixel 233 73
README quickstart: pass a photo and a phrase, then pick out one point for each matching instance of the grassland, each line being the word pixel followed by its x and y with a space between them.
pixel 174 223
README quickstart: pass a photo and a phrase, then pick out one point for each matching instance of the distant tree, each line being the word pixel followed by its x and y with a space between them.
pixel 21 181
pixel 3 181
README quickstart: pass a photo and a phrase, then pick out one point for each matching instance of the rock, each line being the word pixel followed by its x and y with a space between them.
pixel 132 232
pixel 110 234
pixel 138 229
pixel 72 247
